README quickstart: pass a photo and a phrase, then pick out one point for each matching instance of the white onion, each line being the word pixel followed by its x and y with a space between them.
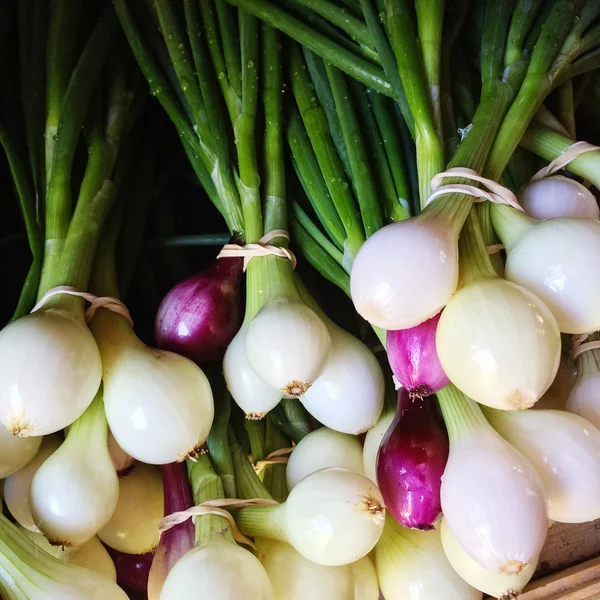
pixel 565 451
pixel 498 343
pixel 253 395
pixel 47 359
pixel 373 440
pixel 218 570
pixel 75 491
pixel 320 449
pixel 498 585
pixel 16 451
pixel 120 459
pixel 411 565
pixel 366 586
pixel 584 399
pixel 18 486
pixel 332 517
pixel 133 527
pixel 287 345
pixel 405 273
pixel 90 555
pixel 558 196
pixel 348 395
pixel 159 405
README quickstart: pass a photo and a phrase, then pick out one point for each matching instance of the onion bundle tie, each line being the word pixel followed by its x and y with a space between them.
pixel 260 248
pixel 278 457
pixel 560 162
pixel 580 345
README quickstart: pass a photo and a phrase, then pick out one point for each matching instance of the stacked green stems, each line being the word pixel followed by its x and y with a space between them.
pixel 273 475
pixel 461 414
pixel 256 431
pixel 217 444
pixel 291 419
pixel 565 109
pixel 247 483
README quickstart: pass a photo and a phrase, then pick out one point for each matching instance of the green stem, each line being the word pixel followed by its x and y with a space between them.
pixel 274 478
pixel 475 261
pixel 247 482
pixel 191 241
pixel 566 108
pixel 256 436
pixel 229 26
pixel 295 430
pixel 510 224
pixel 461 414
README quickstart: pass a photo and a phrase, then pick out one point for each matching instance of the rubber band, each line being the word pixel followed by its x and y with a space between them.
pixel 278 457
pixel 492 191
pixel 260 248
pixel 215 507
pixel 95 302
pixel 495 248
pixel 579 345
pixel 562 160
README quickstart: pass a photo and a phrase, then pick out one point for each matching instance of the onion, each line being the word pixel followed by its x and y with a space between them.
pixel 558 196
pixel 47 358
pixel 287 345
pixel 332 517
pixel 584 398
pixel 411 460
pixel 405 273
pixel 200 315
pixel 498 343
pixel 372 443
pixel 16 451
pixel 499 585
pixel 555 259
pixel 120 459
pixel 366 586
pixel 565 451
pixel 348 394
pixel 18 486
pixel 411 565
pixel 320 449
pixel 75 491
pixel 492 498
pixel 133 527
pixel 414 360
pixel 132 569
pixel 158 404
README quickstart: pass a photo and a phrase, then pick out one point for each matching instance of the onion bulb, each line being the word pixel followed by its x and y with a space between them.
pixel 565 451
pixel 16 451
pixel 332 517
pixel 411 565
pixel 321 449
pixel 159 405
pixel 372 443
pixel 47 359
pixel 499 343
pixel 75 491
pixel 364 576
pixel 499 585
pixel 18 486
pixel 120 459
pixel 584 399
pixel 133 527
pixel 558 196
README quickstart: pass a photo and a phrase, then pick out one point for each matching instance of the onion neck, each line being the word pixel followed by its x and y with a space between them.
pixel 475 263
pixel 461 414
pixel 588 362
pixel 510 224
pixel 262 522
pixel 92 426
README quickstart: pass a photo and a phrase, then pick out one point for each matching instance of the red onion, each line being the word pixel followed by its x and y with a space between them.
pixel 411 461
pixel 413 358
pixel 175 542
pixel 200 315
pixel 132 569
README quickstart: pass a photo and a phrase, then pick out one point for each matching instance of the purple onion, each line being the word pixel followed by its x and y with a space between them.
pixel 175 542
pixel 411 460
pixel 414 360
pixel 201 315
pixel 132 569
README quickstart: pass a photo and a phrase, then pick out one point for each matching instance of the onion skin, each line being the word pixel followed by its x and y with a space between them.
pixel 414 360
pixel 199 317
pixel 411 462
pixel 132 569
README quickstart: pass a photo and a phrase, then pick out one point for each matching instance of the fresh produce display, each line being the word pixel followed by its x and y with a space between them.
pixel 301 298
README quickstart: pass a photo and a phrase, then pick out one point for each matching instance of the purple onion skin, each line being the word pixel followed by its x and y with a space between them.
pixel 132 569
pixel 414 360
pixel 201 315
pixel 411 462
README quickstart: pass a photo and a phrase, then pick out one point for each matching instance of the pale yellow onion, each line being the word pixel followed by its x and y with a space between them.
pixel 120 459
pixel 364 576
pixel 16 451
pixel 159 405
pixel 133 527
pixel 18 486
pixel 498 585
pixel 47 359
pixel 372 442
pixel 498 344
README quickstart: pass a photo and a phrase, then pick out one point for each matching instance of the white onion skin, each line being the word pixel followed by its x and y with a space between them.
pixel 16 451
pixel 218 570
pixel 159 405
pixel 348 395
pixel 498 585
pixel 565 451
pixel 558 196
pixel 47 359
pixel 499 344
pixel 405 273
pixel 287 345
pixel 411 565
pixel 321 449
pixel 18 485
pixel 133 527
pixel 584 399
pixel 493 501
pixel 366 586
pixel 373 440
pixel 253 395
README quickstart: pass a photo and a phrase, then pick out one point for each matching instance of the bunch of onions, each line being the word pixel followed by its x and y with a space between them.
pixel 584 398
pixel 565 451
pixel 200 315
pixel 411 461
pixel 16 451
pixel 412 565
pixel 372 444
pixel 489 486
